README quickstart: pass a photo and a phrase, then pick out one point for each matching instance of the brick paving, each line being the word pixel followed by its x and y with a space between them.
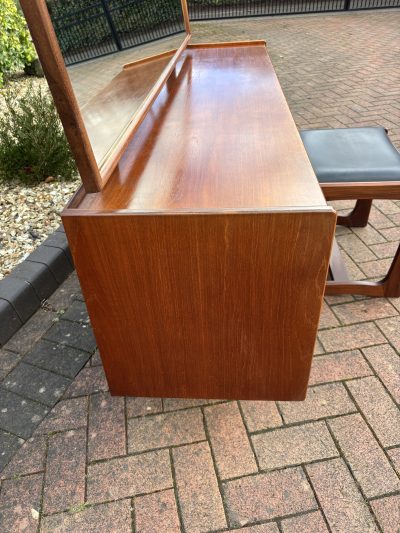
pixel 92 463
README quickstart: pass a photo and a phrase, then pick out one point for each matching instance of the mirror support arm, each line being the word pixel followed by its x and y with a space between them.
pixel 186 19
pixel 109 166
pixel 53 65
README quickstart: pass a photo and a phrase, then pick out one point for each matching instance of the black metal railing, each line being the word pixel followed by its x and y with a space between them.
pixel 91 28
pixel 219 9
pixel 88 29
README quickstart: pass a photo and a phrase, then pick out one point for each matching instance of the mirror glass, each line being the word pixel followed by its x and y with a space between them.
pixel 115 51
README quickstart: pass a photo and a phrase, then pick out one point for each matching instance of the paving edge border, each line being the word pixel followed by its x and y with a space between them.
pixel 32 281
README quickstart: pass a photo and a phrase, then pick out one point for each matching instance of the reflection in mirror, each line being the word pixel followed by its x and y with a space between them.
pixel 115 51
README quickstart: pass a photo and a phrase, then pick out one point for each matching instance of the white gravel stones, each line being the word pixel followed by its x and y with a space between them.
pixel 29 214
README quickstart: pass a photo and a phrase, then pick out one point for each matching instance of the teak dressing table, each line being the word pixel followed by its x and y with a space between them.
pixel 202 245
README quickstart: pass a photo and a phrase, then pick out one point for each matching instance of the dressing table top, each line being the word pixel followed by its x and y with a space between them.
pixel 220 136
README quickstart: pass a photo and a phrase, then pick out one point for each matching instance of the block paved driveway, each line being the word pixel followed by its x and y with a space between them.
pixel 102 464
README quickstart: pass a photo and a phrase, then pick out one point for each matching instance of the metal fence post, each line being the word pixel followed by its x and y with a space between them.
pixel 110 21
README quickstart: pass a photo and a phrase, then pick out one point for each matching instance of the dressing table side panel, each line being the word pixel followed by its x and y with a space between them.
pixel 204 305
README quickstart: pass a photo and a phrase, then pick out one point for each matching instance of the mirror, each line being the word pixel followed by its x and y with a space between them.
pixel 116 51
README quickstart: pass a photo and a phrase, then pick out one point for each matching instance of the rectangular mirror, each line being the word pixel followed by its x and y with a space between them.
pixel 116 53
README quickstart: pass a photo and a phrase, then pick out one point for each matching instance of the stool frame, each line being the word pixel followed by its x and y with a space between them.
pixel 363 193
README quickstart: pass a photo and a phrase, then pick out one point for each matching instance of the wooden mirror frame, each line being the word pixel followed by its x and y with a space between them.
pixel 52 61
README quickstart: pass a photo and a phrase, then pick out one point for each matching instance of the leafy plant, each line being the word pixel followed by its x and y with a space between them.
pixel 33 145
pixel 16 49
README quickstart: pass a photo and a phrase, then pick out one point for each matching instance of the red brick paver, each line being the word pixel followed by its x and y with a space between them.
pixel 112 517
pixel 391 328
pixel 98 464
pixel 197 487
pixel 386 363
pixel 229 441
pixel 378 408
pixel 350 337
pixel 367 460
pixel 20 503
pixel 65 471
pixel 260 415
pixel 165 430
pixel 262 528
pixel 338 367
pixel 322 401
pixel 67 414
pixel 294 445
pixel 343 505
pixel 365 310
pixel 308 523
pixel 29 459
pixel 143 406
pixel 107 433
pixel 394 454
pixel 387 511
pixel 128 476
pixel 265 496
pixel 157 512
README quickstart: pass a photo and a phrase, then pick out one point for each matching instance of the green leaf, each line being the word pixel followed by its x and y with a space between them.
pixel 16 49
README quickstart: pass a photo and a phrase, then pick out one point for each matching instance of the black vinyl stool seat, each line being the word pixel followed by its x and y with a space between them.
pixel 352 155
pixel 356 164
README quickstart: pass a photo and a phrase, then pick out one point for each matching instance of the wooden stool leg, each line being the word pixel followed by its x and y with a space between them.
pixel 389 286
pixel 358 218
pixel 392 279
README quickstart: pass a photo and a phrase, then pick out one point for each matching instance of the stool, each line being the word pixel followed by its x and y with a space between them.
pixel 356 164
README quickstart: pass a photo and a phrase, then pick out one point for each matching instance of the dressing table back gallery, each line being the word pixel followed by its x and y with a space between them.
pixel 200 235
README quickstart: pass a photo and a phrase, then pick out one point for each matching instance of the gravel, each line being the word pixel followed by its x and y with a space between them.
pixel 28 214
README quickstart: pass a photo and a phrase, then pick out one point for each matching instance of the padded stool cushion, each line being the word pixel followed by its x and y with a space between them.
pixel 352 155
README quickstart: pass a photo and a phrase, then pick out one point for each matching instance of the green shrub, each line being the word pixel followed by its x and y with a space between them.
pixel 16 49
pixel 33 146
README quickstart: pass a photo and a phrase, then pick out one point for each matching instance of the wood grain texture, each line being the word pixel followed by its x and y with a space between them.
pixel 220 135
pixel 367 190
pixel 48 50
pixel 204 306
pixel 203 260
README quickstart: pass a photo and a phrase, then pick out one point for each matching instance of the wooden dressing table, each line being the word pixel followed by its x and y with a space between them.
pixel 203 256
